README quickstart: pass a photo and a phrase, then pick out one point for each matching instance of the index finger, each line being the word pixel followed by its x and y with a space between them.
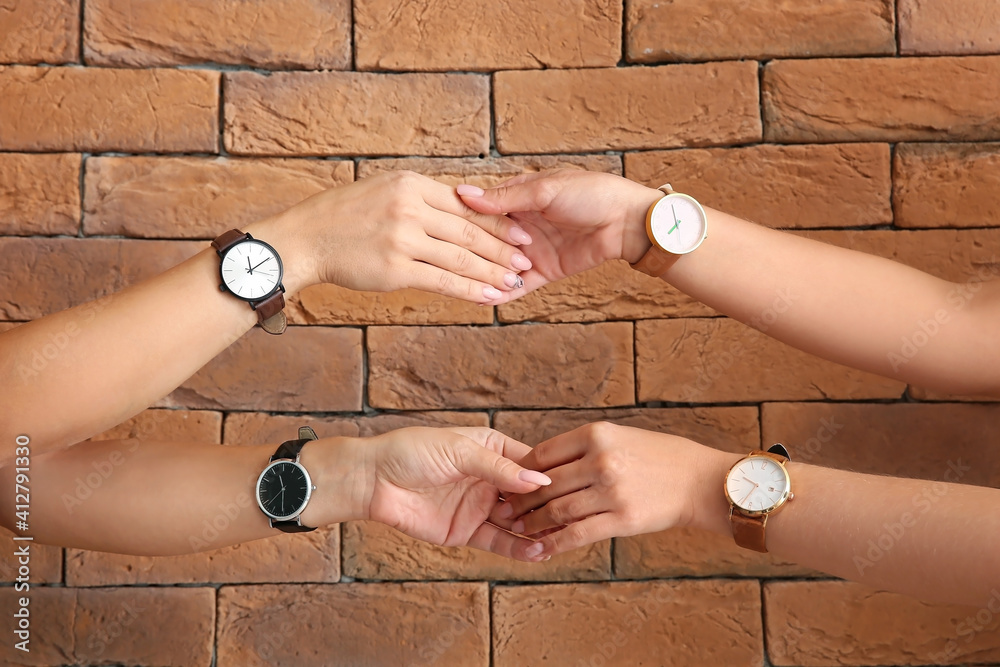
pixel 445 198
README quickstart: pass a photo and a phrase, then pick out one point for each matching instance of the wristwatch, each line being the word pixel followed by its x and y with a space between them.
pixel 676 224
pixel 756 487
pixel 284 487
pixel 251 270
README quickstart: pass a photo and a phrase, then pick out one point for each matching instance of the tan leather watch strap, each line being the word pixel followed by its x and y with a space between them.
pixel 748 531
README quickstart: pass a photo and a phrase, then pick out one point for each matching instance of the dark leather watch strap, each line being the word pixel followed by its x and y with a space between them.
pixel 226 240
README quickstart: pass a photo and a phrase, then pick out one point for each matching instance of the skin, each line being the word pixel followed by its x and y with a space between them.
pixel 612 481
pixel 384 233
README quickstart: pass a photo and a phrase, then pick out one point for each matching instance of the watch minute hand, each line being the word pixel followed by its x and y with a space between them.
pixel 258 264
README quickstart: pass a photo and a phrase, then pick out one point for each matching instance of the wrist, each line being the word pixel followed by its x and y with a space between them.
pixel 635 240
pixel 342 474
pixel 284 233
pixel 710 509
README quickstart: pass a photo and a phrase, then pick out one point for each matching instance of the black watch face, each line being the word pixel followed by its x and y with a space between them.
pixel 251 270
pixel 283 489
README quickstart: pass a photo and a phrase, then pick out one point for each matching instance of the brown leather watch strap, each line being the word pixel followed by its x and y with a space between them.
pixel 748 531
pixel 655 262
pixel 226 240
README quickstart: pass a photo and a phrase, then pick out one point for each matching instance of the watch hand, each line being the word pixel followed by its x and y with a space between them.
pixel 747 496
pixel 755 484
pixel 249 268
pixel 676 221
pixel 265 259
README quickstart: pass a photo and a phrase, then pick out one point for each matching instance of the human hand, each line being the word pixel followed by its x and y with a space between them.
pixel 576 219
pixel 400 229
pixel 440 484
pixel 615 481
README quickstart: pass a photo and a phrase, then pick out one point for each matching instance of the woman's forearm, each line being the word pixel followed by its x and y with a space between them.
pixel 169 498
pixel 121 353
pixel 849 307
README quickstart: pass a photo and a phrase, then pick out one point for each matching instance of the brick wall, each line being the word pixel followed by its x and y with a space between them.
pixel 132 131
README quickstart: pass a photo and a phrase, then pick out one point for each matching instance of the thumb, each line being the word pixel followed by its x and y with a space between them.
pixel 476 461
pixel 522 193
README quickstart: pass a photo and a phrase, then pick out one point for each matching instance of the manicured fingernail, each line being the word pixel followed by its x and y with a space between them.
pixel 518 235
pixel 534 477
pixel 491 293
pixel 517 527
pixel 506 511
pixel 534 550
pixel 520 262
pixel 470 190
pixel 510 280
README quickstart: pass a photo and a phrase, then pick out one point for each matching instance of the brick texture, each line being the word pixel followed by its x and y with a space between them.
pixel 946 185
pixel 542 366
pixel 324 370
pixel 779 186
pixel 565 111
pixel 199 198
pixel 39 194
pixel 704 622
pixel 720 360
pixel 165 425
pixel 45 566
pixel 876 99
pixel 289 34
pixel 807 622
pixel 154 110
pixel 347 113
pixel 484 35
pixel 867 437
pixel 935 27
pixel 351 624
pixel 723 30
pixel 36 31
pixel 113 626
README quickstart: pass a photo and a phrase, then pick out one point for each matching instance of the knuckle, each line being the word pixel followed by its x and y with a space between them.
pixel 445 282
pixel 470 234
pixel 463 261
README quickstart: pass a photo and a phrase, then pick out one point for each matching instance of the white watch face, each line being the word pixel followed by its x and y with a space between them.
pixel 251 270
pixel 757 484
pixel 677 223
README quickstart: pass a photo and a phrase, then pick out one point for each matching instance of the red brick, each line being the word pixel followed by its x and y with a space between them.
pixel 708 622
pixel 484 35
pixel 881 99
pixel 626 108
pixel 42 276
pixel 39 194
pixel 254 428
pixel 833 623
pixel 935 27
pixel 36 31
pixel 612 291
pixel 134 626
pixel 947 185
pixel 190 197
pixel 376 551
pixel 311 557
pixel 839 185
pixel 920 394
pixel 305 369
pixel 721 29
pixel 354 113
pixel 169 425
pixel 545 365
pixel 354 624
pixel 109 109
pixel 869 438
pixel 721 360
pixel 46 561
pixel 288 34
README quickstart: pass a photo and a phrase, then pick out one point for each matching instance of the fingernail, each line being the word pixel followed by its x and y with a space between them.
pixel 506 511
pixel 534 477
pixel 518 235
pixel 517 527
pixel 547 558
pixel 491 293
pixel 534 550
pixel 520 262
pixel 511 280
pixel 472 191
